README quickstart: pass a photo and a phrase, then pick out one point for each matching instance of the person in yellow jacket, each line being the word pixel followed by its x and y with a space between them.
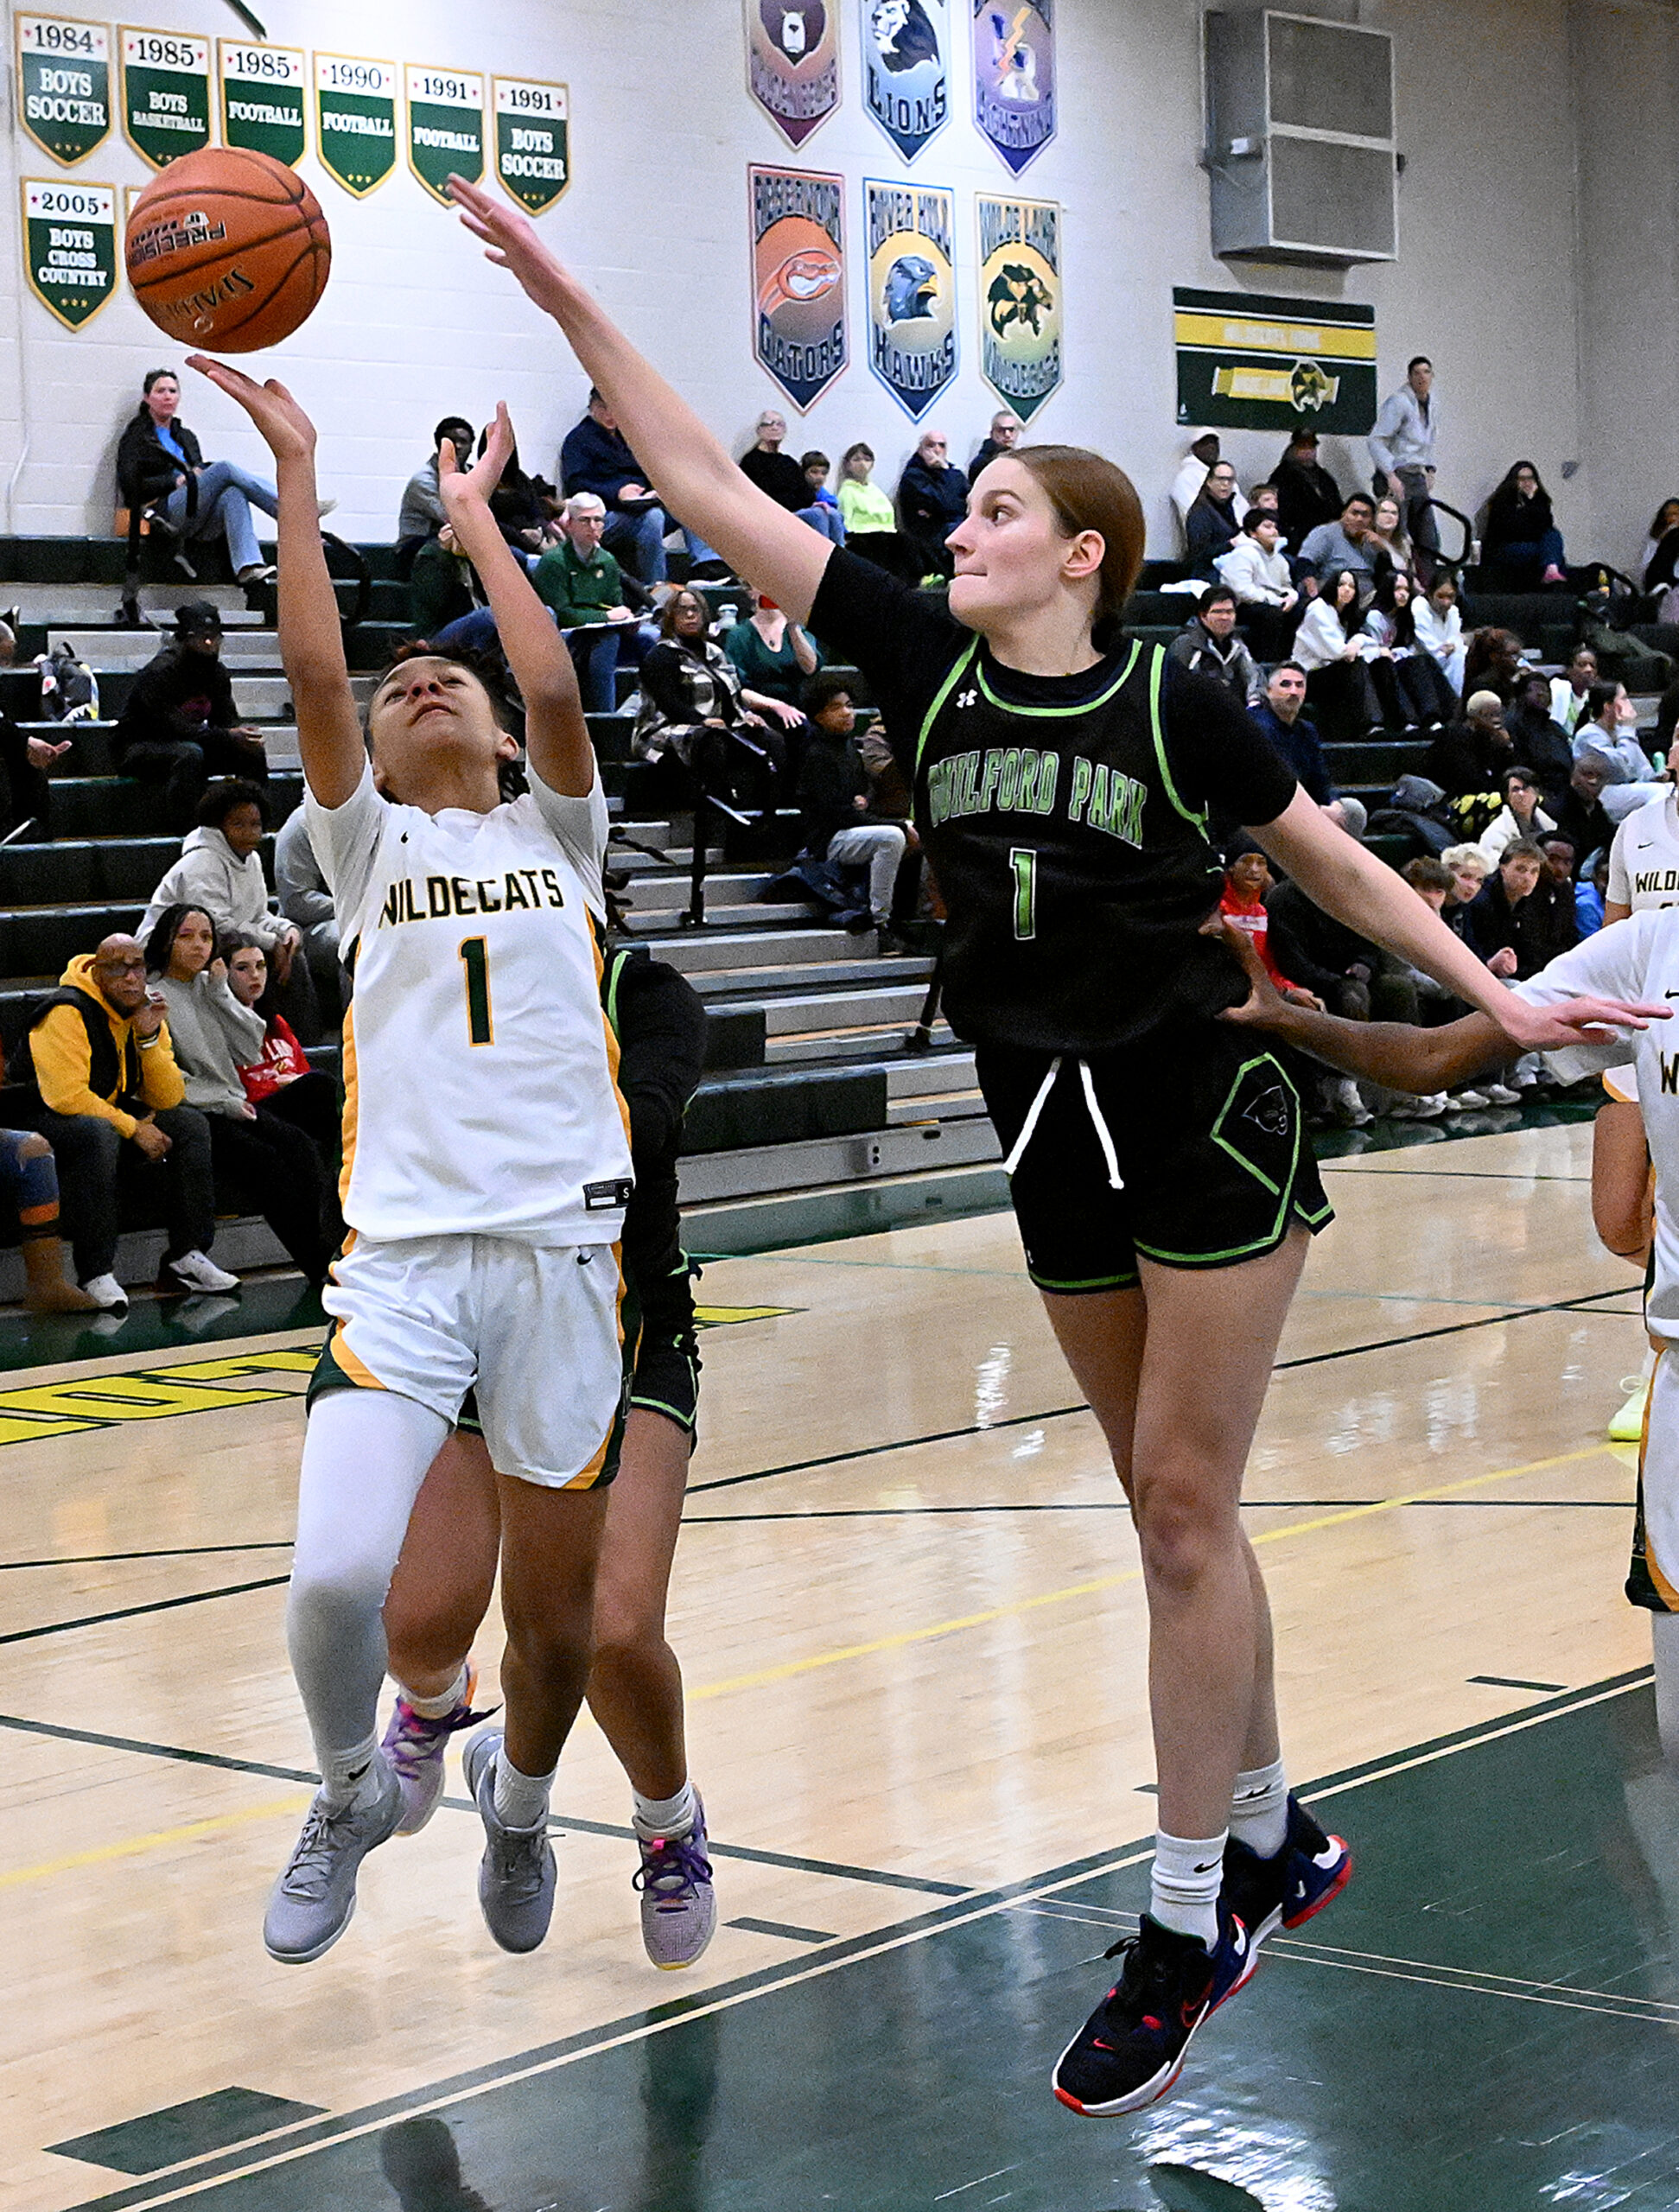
pixel 114 1111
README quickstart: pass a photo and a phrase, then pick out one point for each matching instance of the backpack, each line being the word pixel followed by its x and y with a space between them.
pixel 831 891
pixel 69 689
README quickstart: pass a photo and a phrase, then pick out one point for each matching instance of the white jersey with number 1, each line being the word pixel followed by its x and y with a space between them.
pixel 480 1093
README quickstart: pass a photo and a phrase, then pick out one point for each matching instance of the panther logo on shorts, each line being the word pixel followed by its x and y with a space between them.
pixel 1269 1112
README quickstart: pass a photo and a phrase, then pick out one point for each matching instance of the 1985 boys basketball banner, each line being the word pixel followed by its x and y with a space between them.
pixel 166 94
pixel 798 279
pixel 911 290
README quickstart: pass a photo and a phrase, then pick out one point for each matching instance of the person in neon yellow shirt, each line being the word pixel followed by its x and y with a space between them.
pixel 863 506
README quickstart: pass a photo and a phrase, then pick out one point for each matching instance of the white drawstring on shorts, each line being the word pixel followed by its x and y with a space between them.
pixel 1034 1113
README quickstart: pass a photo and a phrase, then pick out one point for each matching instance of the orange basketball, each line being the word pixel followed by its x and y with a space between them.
pixel 228 249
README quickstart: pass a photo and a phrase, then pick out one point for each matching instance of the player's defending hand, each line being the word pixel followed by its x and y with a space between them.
pixel 465 491
pixel 510 241
pixel 1572 1021
pixel 1264 1003
pixel 288 430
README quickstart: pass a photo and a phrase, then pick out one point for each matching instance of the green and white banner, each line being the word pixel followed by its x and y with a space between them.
pixel 445 126
pixel 355 120
pixel 70 238
pixel 532 148
pixel 64 84
pixel 166 94
pixel 1247 361
pixel 262 99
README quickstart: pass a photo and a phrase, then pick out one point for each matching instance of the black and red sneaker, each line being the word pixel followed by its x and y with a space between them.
pixel 1132 2049
pixel 1310 1871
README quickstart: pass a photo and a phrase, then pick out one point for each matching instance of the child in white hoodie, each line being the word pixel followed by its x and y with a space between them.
pixel 220 870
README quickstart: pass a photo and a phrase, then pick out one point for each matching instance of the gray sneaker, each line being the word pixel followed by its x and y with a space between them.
pixel 311 1905
pixel 516 1874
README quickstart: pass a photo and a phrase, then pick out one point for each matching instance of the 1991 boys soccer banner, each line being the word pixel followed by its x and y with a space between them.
pixel 1020 299
pixel 798 279
pixel 1247 362
pixel 911 290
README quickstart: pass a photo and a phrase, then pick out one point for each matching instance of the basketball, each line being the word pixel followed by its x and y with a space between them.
pixel 228 248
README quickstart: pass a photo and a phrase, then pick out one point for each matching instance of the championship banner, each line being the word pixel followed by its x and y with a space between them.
pixel 1014 76
pixel 1020 300
pixel 1249 363
pixel 532 141
pixel 907 47
pixel 166 94
pixel 63 85
pixel 70 238
pixel 355 120
pixel 793 62
pixel 911 290
pixel 262 99
pixel 445 126
pixel 798 279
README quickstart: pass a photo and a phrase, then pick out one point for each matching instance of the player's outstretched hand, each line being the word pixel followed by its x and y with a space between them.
pixel 510 241
pixel 288 429
pixel 1265 1002
pixel 1572 1021
pixel 465 491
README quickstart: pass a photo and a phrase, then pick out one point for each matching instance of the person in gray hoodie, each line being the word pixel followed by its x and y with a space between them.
pixel 264 1159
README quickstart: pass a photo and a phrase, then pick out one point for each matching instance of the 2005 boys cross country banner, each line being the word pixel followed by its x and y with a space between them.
pixel 798 279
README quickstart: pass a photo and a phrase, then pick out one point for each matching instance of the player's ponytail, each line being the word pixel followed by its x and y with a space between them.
pixel 1089 493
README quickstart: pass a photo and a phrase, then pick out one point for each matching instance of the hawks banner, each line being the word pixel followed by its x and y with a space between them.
pixel 262 99
pixel 445 127
pixel 70 237
pixel 63 85
pixel 355 120
pixel 1014 76
pixel 532 141
pixel 1246 362
pixel 911 290
pixel 905 74
pixel 166 94
pixel 793 62
pixel 798 279
pixel 1020 300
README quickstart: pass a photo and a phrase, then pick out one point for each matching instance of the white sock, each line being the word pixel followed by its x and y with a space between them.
pixel 1259 1810
pixel 521 1800
pixel 358 1774
pixel 1184 1892
pixel 1664 1635
pixel 438 1708
pixel 666 1817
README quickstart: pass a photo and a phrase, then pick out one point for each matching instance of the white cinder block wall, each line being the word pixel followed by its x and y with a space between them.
pixel 1501 279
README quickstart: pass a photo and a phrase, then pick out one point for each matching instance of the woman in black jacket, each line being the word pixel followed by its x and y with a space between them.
pixel 1213 523
pixel 692 698
pixel 1522 544
pixel 1306 494
pixel 159 460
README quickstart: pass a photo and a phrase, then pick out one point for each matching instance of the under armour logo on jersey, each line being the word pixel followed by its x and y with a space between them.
pixel 967 698
pixel 1269 1112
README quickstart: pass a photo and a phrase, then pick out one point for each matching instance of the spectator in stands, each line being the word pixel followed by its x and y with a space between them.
pixel 159 460
pixel 24 762
pixel 179 725
pixel 1560 871
pixel 1307 495
pixel 594 602
pixel 1007 430
pixel 1208 646
pixel 933 498
pixel 1337 966
pixel 1281 715
pixel 1568 690
pixel 781 476
pixel 1609 728
pixel 771 654
pixel 833 793
pixel 220 870
pixel 1589 894
pixel 1536 738
pixel 443 588
pixel 596 458
pixel 280 1078
pixel 1256 570
pixel 1192 471
pixel 8 644
pixel 1388 544
pixel 1246 879
pixel 1437 622
pixel 692 698
pixel 1409 687
pixel 1507 925
pixel 1469 871
pixel 520 514
pixel 114 1111
pixel 305 900
pixel 1521 816
pixel 422 514
pixel 1472 756
pixel 1521 544
pixel 1580 817
pixel 1213 522
pixel 1344 544
pixel 1492 663
pixel 818 468
pixel 1402 449
pixel 1327 645
pixel 1662 544
pixel 28 1178
pixel 865 509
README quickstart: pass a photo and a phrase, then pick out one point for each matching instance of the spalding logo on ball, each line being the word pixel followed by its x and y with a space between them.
pixel 229 248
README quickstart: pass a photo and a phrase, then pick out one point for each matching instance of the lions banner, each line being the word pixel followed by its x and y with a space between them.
pixel 1020 300
pixel 906 69
pixel 70 237
pixel 1014 76
pixel 911 290
pixel 166 94
pixel 63 85
pixel 1246 362
pixel 793 63
pixel 798 279
pixel 355 120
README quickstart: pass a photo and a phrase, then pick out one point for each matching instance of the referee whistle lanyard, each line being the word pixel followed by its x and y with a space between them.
pixel 1028 1128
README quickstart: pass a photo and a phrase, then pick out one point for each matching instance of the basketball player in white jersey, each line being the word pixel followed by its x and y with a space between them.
pixel 487 1169
pixel 1643 861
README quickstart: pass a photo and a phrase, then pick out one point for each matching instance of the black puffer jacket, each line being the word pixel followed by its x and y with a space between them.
pixel 145 471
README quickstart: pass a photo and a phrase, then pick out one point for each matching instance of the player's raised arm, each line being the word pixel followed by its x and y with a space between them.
pixel 311 641
pixel 689 469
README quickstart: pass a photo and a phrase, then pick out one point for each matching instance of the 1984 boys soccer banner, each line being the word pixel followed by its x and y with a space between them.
pixel 911 290
pixel 1020 299
pixel 64 84
pixel 1247 362
pixel 793 62
pixel 798 279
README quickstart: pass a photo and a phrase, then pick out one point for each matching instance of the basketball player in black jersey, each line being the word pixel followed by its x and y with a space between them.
pixel 1160 1169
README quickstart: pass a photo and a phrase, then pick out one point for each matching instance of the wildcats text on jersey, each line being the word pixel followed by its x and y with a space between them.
pixel 1653 883
pixel 441 897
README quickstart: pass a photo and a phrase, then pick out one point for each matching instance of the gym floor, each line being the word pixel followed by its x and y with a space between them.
pixel 909 1610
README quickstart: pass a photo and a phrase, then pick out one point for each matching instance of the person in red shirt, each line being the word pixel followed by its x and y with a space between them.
pixel 1247 879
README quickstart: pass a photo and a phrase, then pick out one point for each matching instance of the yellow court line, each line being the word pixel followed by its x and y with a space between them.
pixel 131 1846
pixel 791 1668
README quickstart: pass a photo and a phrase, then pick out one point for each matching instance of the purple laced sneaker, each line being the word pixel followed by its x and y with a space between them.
pixel 414 1748
pixel 678 1904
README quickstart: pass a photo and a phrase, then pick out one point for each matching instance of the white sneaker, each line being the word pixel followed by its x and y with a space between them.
pixel 1467 1102
pixel 1429 1109
pixel 194 1271
pixel 258 573
pixel 324 506
pixel 1500 1094
pixel 1349 1103
pixel 105 1291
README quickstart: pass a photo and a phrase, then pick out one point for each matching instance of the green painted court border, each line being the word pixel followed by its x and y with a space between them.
pixel 172 2186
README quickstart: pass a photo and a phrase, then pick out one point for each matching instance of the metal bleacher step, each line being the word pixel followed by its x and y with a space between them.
pixel 864 1041
pixel 934 1106
pixel 244 644
pixel 892 991
pixel 706 1178
pixel 92 607
pixel 642 924
pixel 658 893
pixel 803 975
pixel 709 951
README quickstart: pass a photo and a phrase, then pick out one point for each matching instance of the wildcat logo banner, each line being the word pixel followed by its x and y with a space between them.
pixel 70 236
pixel 355 120
pixel 1020 300
pixel 793 63
pixel 166 94
pixel 1250 362
pixel 911 290
pixel 798 279
pixel 907 47
pixel 1014 76
pixel 64 84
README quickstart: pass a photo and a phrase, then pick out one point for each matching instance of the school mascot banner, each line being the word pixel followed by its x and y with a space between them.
pixel 798 279
pixel 911 290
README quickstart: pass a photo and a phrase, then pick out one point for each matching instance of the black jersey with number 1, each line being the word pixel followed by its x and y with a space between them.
pixel 1065 819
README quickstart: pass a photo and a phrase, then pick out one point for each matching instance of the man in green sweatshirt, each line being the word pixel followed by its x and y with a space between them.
pixel 593 601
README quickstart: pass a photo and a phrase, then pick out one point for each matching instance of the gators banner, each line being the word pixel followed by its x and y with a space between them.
pixel 355 120
pixel 262 99
pixel 1014 76
pixel 793 63
pixel 906 45
pixel 166 94
pixel 532 141
pixel 70 237
pixel 63 85
pixel 1246 362
pixel 1020 300
pixel 798 279
pixel 445 126
pixel 911 290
